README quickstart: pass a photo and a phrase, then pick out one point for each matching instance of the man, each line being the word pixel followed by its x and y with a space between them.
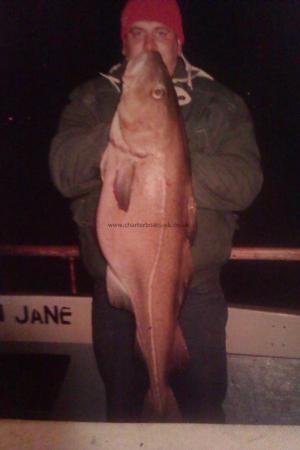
pixel 226 177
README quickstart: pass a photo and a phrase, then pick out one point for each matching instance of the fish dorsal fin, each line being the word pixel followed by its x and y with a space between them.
pixel 180 356
pixel 123 183
pixel 191 218
pixel 118 296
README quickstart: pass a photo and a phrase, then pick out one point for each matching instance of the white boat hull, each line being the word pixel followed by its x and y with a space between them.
pixel 263 349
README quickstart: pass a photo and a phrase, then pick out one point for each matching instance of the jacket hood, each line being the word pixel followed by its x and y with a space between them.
pixel 184 74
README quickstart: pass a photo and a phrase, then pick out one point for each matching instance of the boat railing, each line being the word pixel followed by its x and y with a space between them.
pixel 71 253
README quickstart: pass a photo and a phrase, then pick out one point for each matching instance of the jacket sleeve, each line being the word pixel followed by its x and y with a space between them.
pixel 77 148
pixel 227 174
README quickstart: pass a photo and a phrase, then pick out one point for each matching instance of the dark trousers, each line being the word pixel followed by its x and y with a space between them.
pixel 200 389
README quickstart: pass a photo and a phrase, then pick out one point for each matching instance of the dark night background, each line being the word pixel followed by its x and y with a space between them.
pixel 50 46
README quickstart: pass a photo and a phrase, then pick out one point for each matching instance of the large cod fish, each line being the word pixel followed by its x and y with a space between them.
pixel 146 220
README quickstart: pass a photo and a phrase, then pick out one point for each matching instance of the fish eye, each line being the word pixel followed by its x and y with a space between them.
pixel 158 93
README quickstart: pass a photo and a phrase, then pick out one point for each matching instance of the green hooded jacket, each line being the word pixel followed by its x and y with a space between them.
pixel 225 161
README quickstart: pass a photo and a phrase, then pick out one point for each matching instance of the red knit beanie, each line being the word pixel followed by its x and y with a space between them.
pixel 166 12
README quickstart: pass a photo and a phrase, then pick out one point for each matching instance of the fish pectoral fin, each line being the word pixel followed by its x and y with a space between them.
pixel 180 356
pixel 117 294
pixel 123 182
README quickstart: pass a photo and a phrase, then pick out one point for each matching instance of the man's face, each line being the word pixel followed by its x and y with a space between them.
pixel 146 36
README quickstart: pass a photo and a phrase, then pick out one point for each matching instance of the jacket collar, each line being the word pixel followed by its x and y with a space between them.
pixel 184 74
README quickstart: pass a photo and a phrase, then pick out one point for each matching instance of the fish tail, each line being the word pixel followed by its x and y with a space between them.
pixel 165 408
